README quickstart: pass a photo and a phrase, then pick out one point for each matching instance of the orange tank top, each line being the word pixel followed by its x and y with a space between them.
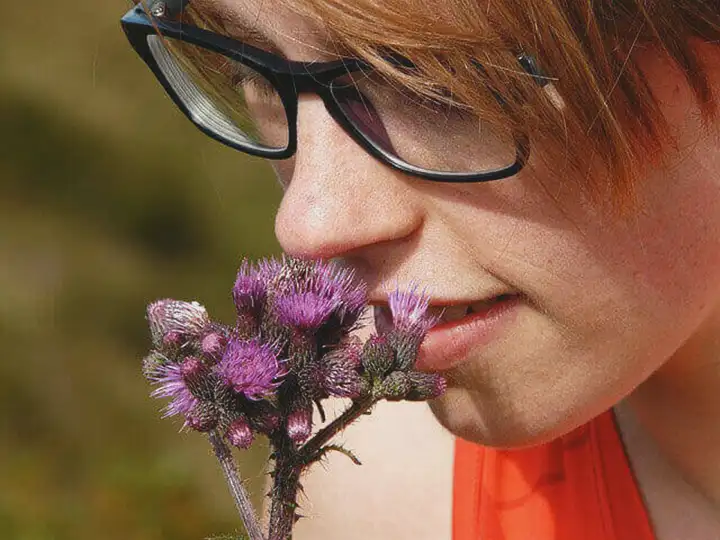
pixel 577 487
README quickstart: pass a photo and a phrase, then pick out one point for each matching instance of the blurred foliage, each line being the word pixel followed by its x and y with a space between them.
pixel 109 199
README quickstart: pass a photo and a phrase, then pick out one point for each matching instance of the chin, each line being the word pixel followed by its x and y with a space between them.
pixel 471 416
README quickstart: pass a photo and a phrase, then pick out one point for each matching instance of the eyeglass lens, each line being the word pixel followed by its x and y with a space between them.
pixel 242 106
pixel 225 96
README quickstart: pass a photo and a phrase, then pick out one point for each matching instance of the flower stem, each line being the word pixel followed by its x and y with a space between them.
pixel 237 490
pixel 352 413
pixel 286 482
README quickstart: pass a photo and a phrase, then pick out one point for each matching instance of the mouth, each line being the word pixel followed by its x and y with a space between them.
pixel 445 312
pixel 462 327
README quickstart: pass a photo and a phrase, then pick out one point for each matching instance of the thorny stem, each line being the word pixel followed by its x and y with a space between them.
pixel 290 463
pixel 286 483
pixel 237 490
pixel 314 445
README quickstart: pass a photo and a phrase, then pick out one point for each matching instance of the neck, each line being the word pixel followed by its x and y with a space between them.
pixel 678 410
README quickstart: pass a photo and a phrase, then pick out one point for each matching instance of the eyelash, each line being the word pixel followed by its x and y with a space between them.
pixel 242 77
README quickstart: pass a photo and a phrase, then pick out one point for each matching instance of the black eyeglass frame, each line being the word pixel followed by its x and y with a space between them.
pixel 290 79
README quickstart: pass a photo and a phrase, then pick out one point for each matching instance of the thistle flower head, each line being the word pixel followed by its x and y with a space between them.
pixel 172 319
pixel 409 312
pixel 411 322
pixel 310 292
pixel 250 288
pixel 239 433
pixel 250 367
pixel 342 285
pixel 304 310
pixel 171 384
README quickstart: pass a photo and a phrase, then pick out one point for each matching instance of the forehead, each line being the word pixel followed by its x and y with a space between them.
pixel 270 26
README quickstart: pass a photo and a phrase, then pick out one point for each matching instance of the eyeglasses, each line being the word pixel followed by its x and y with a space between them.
pixel 247 98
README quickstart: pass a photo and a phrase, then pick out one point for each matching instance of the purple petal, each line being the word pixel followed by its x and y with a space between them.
pixel 304 310
pixel 409 312
pixel 250 367
pixel 171 384
pixel 250 287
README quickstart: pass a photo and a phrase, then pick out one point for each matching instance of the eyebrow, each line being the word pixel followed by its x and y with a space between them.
pixel 237 28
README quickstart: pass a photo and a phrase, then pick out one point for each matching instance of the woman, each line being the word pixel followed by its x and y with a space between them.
pixel 550 171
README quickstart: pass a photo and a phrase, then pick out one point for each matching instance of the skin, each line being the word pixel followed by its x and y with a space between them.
pixel 613 309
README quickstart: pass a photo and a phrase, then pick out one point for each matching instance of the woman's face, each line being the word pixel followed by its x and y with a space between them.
pixel 603 302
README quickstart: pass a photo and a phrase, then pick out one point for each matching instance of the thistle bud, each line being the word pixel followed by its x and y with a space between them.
pixel 239 433
pixel 425 386
pixel 299 425
pixel 213 345
pixel 204 417
pixel 174 320
pixel 340 375
pixel 395 386
pixel 198 378
pixel 378 357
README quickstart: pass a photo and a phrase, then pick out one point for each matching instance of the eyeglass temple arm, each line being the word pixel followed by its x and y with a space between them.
pixel 173 8
pixel 170 9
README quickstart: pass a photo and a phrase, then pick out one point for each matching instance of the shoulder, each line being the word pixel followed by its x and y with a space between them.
pixel 402 490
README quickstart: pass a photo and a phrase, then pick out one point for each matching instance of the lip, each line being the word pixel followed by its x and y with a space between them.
pixel 449 344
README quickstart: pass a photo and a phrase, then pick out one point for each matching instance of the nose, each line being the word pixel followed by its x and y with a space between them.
pixel 339 198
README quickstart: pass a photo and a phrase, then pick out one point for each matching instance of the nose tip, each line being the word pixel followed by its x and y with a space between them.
pixel 324 216
pixel 340 199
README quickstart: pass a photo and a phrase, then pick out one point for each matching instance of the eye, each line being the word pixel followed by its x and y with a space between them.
pixel 245 79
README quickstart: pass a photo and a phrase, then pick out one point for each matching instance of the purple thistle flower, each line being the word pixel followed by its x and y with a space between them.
pixel 250 288
pixel 299 425
pixel 304 310
pixel 269 270
pixel 312 291
pixel 250 367
pixel 340 284
pixel 409 312
pixel 239 433
pixel 173 319
pixel 171 384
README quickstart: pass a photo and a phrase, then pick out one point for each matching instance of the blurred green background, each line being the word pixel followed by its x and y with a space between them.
pixel 109 199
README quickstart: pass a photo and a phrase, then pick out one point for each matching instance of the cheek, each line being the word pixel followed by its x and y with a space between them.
pixel 609 301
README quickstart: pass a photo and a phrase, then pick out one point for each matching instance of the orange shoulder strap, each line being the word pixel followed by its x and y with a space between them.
pixel 577 487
